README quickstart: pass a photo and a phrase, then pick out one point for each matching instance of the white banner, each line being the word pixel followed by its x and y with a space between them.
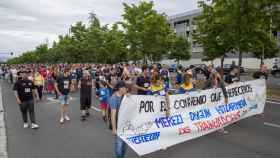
pixel 143 124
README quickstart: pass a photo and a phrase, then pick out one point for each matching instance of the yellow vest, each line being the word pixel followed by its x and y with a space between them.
pixel 38 80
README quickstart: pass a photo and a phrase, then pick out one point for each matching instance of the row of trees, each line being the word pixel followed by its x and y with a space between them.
pixel 238 26
pixel 143 34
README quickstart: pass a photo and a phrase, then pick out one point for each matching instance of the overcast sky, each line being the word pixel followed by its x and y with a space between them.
pixel 26 23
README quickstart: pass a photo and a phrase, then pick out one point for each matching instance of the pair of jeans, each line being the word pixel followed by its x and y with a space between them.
pixel 25 108
pixel 120 147
pixel 40 91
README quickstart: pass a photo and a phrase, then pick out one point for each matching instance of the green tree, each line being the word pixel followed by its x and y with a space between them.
pixel 146 32
pixel 233 26
pixel 180 49
pixel 115 45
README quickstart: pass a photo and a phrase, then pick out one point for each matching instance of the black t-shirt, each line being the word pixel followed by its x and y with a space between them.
pixel 143 82
pixel 119 71
pixel 260 75
pixel 86 88
pixel 63 84
pixel 24 89
pixel 229 79
pixel 164 74
pixel 79 72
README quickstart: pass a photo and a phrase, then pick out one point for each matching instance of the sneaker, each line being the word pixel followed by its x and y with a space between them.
pixel 110 126
pixel 83 118
pixel 67 118
pixel 25 125
pixel 34 126
pixel 61 120
pixel 164 148
pixel 104 118
pixel 223 131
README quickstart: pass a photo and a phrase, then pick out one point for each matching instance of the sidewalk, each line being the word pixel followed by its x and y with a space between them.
pixel 3 138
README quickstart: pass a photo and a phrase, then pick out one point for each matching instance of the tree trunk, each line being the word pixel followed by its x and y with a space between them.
pixel 222 65
pixel 239 62
pixel 262 58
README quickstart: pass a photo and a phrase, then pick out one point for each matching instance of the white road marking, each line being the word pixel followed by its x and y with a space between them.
pixel 96 109
pixel 57 100
pixel 271 124
pixel 272 102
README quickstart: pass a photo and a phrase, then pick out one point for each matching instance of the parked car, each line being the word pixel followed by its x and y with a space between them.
pixel 276 71
pixel 199 68
pixel 227 68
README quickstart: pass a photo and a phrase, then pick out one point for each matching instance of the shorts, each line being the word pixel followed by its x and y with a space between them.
pixel 103 105
pixel 85 103
pixel 64 99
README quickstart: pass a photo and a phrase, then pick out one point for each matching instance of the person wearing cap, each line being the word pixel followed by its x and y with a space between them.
pixel 115 103
pixel 187 85
pixel 39 83
pixel 25 94
pixel 85 95
pixel 63 87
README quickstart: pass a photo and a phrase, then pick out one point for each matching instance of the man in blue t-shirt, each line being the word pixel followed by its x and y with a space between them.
pixel 115 103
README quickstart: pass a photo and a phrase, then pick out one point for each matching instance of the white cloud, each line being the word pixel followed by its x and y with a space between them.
pixel 26 23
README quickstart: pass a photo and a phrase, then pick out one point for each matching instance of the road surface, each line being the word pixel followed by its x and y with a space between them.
pixel 255 137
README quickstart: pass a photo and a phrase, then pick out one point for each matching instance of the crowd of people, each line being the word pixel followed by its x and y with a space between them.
pixel 109 83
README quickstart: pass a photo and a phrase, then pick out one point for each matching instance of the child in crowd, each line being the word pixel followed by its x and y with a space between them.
pixel 104 95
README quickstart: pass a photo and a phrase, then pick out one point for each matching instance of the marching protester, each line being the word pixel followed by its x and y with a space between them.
pixel 179 75
pixel 104 94
pixel 187 85
pixel 85 95
pixel 39 83
pixel 115 103
pixel 13 75
pixel 158 88
pixel 62 87
pixel 143 81
pixel 215 81
pixel 25 94
pixel 73 76
pixel 262 74
pixel 164 73
pixel 55 74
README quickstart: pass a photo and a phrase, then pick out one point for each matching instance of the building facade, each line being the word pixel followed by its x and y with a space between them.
pixel 184 25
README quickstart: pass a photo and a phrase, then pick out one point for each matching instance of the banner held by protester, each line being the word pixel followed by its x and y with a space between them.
pixel 143 124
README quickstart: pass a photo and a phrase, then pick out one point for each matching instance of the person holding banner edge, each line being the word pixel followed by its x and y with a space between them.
pixel 115 103
pixel 215 81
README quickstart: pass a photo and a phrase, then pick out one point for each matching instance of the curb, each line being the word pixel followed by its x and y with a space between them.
pixel 3 136
pixel 275 100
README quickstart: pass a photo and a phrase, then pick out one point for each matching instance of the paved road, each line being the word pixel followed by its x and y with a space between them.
pixel 249 138
pixel 272 82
